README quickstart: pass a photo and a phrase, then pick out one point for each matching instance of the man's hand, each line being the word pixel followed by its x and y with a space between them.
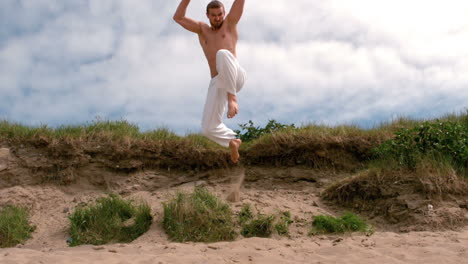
pixel 187 23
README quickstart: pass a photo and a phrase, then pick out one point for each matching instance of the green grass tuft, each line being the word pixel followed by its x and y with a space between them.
pixel 199 217
pixel 347 223
pixel 110 219
pixel 14 226
pixel 282 226
pixel 245 214
pixel 260 226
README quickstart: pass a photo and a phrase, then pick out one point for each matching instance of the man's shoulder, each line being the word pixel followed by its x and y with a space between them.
pixel 204 26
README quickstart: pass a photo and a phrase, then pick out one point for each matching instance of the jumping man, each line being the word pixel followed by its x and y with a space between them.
pixel 218 41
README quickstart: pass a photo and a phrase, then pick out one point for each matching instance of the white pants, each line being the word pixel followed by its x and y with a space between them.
pixel 230 79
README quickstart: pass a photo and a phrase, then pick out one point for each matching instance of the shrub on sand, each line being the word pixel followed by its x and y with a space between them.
pixel 245 214
pixel 263 225
pixel 347 223
pixel 14 226
pixel 199 217
pixel 110 219
pixel 282 226
pixel 260 226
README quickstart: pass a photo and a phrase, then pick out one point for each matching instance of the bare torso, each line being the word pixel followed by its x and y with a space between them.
pixel 214 40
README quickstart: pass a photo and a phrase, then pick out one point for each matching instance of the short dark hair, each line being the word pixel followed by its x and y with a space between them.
pixel 214 4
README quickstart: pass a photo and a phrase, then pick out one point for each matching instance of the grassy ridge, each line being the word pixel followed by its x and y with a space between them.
pixel 118 145
pixel 116 130
pixel 121 129
pixel 344 147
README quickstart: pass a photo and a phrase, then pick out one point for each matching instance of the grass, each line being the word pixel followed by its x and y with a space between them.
pixel 325 224
pixel 198 217
pixel 202 142
pixel 110 219
pixel 245 214
pixel 440 141
pixel 261 225
pixel 113 129
pixel 14 226
pixel 112 142
pixel 282 226
pixel 384 130
pixel 122 128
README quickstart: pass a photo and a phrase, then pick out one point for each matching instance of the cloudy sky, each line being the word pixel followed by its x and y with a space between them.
pixel 323 61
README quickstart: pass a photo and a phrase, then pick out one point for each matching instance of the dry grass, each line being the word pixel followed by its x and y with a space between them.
pixel 343 148
pixel 401 195
pixel 429 179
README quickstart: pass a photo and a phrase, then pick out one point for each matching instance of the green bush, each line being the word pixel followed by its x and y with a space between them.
pixel 14 226
pixel 439 140
pixel 253 132
pixel 199 217
pixel 110 219
pixel 329 224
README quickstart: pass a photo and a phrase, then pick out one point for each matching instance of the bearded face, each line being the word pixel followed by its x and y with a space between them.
pixel 216 17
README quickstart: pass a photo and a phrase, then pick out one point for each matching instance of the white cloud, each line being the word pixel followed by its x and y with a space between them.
pixel 329 61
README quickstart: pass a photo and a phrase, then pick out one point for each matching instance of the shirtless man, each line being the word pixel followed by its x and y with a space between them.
pixel 218 41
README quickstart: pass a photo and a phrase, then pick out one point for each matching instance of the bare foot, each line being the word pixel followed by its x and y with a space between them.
pixel 234 144
pixel 233 107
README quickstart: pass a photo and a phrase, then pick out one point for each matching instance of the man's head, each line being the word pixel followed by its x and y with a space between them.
pixel 215 13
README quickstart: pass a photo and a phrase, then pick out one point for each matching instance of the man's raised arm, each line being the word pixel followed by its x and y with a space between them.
pixel 187 23
pixel 236 11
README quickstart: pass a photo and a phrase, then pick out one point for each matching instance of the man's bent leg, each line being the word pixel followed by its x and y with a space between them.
pixel 212 122
pixel 223 87
pixel 212 125
pixel 227 67
pixel 232 78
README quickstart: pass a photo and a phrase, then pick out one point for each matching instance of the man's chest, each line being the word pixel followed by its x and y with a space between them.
pixel 217 37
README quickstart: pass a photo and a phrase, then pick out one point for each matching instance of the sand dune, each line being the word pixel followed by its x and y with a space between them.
pixel 51 204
